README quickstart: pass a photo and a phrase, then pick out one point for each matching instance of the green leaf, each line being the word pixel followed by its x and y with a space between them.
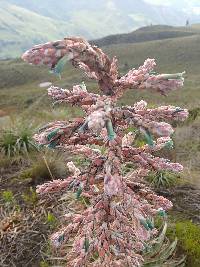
pixel 71 185
pixel 60 65
pixel 86 244
pixel 83 86
pixel 53 144
pixel 148 137
pixel 110 131
pixel 173 76
pixel 79 192
pixel 83 127
pixel 169 144
pixel 158 242
pixel 169 251
pixel 149 223
pixel 162 213
pixel 144 223
pixel 52 134
pixel 153 73
pixel 61 238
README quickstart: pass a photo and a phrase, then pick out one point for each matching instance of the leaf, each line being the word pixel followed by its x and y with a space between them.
pixel 83 86
pixel 144 223
pixel 79 192
pixel 71 185
pixel 153 73
pixel 60 65
pixel 158 242
pixel 169 251
pixel 162 213
pixel 61 238
pixel 169 144
pixel 173 76
pixel 178 110
pixel 53 144
pixel 83 127
pixel 110 131
pixel 149 223
pixel 148 137
pixel 86 244
pixel 52 134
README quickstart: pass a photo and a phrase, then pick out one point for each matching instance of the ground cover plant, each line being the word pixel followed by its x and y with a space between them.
pixel 115 227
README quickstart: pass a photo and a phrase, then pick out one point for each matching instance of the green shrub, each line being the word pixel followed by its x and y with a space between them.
pixel 193 114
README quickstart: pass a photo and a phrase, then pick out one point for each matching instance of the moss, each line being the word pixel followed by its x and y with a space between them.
pixel 188 235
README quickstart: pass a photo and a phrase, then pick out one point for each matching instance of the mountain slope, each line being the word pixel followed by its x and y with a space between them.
pixel 133 10
pixel 24 23
pixel 20 28
pixel 145 34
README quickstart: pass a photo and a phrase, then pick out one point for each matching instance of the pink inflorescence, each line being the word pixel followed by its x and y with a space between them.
pixel 117 222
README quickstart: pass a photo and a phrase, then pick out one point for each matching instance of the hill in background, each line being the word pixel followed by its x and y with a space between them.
pixel 150 33
pixel 21 96
pixel 24 23
pixel 175 48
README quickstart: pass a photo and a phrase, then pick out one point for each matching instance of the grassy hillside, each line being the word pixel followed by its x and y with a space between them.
pixel 20 92
pixel 26 22
pixel 172 55
pixel 157 32
pixel 20 28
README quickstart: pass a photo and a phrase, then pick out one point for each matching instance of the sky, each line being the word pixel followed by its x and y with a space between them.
pixel 189 6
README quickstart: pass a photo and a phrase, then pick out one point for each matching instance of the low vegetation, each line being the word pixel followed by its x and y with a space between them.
pixel 188 235
pixel 163 179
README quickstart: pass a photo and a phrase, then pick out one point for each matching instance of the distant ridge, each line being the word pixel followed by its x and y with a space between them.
pixel 24 23
pixel 144 34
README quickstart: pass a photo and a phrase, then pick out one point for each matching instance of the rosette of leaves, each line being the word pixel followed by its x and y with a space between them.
pixel 162 179
pixel 17 140
pixel 8 143
pixel 160 252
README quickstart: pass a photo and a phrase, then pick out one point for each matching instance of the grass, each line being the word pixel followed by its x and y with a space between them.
pixel 7 196
pixel 163 179
pixel 17 139
pixel 45 166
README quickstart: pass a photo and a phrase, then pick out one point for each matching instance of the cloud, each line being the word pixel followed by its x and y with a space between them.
pixel 160 2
